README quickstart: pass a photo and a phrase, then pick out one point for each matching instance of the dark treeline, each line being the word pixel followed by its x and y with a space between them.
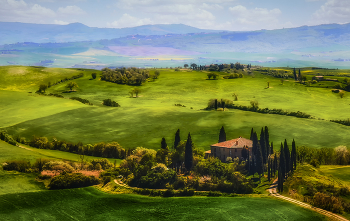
pixel 344 122
pixel 129 76
pixel 226 103
pixel 219 67
pixel 323 156
pixel 43 87
pixel 84 101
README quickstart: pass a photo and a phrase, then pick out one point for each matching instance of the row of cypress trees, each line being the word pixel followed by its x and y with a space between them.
pixel 263 153
pixel 188 148
pixel 287 164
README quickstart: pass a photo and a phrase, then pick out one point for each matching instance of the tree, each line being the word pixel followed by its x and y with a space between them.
pixel 93 75
pixel 254 104
pixel 287 157
pixel 294 155
pixel 267 141
pixel 188 153
pixel 262 145
pixel 259 162
pixel 185 65
pixel 271 148
pixel 42 88
pixel 177 138
pixel 156 74
pixel 268 170
pixel 194 66
pixel 341 94
pixel 222 135
pixel 255 143
pixel 294 74
pixel 216 104
pixel 163 144
pixel 282 166
pixel 71 85
pixel 136 91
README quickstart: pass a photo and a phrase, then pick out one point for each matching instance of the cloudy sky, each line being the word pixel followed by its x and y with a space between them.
pixel 235 15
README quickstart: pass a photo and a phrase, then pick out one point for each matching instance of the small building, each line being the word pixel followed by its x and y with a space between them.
pixel 318 78
pixel 230 148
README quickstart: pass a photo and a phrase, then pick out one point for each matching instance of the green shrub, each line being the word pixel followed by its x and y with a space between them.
pixel 58 165
pixel 72 180
pixel 104 163
pixel 186 192
pixel 110 103
pixel 17 165
pixel 84 101
pixel 214 193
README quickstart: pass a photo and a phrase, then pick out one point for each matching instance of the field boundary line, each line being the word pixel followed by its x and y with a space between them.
pixel 273 191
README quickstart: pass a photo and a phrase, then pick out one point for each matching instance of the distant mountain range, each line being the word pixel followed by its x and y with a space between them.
pixel 13 32
pixel 172 45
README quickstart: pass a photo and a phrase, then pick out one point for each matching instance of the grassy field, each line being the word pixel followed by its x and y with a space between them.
pixel 339 172
pixel 91 204
pixel 16 182
pixel 145 120
pixel 10 152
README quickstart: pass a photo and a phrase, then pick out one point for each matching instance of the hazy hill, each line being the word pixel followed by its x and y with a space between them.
pixel 322 45
pixel 13 32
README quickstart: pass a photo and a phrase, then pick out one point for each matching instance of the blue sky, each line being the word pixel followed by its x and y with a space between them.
pixel 235 15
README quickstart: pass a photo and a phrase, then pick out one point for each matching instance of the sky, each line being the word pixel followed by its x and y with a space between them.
pixel 232 15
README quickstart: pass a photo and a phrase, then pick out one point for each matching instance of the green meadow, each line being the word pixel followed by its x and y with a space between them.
pixel 10 152
pixel 339 172
pixel 91 204
pixel 143 121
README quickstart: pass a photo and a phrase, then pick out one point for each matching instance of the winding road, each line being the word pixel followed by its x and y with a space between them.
pixel 273 191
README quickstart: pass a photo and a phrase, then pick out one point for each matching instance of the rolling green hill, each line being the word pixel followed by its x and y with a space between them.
pixel 143 121
pixel 91 204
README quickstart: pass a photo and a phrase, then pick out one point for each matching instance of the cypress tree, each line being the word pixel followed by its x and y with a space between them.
pixel 282 166
pixel 188 153
pixel 163 144
pixel 299 75
pixel 252 167
pixel 274 165
pixel 259 161
pixel 287 156
pixel 295 74
pixel 248 162
pixel 267 141
pixel 294 154
pixel 255 143
pixel 222 135
pixel 216 104
pixel 268 170
pixel 280 182
pixel 177 138
pixel 251 134
pixel 271 148
pixel 262 144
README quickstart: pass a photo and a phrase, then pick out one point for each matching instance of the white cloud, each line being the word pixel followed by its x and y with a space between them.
pixel 16 4
pixel 333 11
pixel 58 22
pixel 71 10
pixel 20 11
pixel 129 21
pixel 256 18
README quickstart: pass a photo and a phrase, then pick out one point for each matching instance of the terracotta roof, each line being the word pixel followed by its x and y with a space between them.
pixel 235 143
pixel 208 151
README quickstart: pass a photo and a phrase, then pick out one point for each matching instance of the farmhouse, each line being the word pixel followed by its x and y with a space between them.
pixel 231 148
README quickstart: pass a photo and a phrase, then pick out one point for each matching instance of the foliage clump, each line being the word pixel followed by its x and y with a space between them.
pixel 72 180
pixel 110 103
pixel 129 76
